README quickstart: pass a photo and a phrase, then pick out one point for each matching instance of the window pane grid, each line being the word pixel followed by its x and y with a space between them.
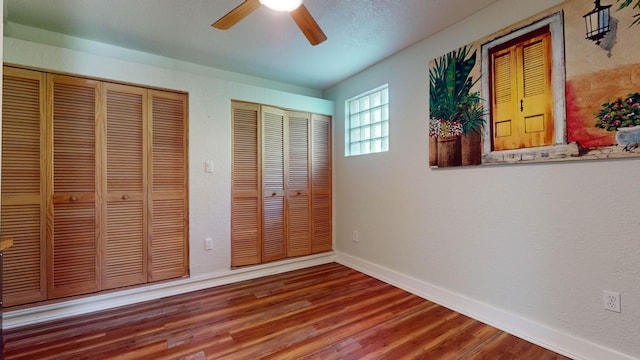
pixel 367 127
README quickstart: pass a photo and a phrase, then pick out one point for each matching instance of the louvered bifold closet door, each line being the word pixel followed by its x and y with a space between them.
pixel 73 244
pixel 273 184
pixel 168 222
pixel 125 246
pixel 298 185
pixel 23 196
pixel 321 182
pixel 246 210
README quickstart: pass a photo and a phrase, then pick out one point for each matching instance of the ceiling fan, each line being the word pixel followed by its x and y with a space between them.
pixel 296 9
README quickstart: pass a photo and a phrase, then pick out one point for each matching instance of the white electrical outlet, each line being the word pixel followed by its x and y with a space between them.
pixel 611 300
pixel 208 244
pixel 355 236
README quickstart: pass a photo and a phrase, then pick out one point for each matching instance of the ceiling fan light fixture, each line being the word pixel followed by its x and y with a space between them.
pixel 282 5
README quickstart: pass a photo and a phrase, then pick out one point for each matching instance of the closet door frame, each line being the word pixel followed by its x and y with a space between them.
pixel 247 241
pixel 72 221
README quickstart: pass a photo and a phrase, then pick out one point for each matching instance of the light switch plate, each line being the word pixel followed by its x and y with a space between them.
pixel 208 166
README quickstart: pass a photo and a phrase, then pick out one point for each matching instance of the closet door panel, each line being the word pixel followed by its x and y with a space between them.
pixel 274 246
pixel 74 249
pixel 273 184
pixel 168 248
pixel 298 185
pixel 246 206
pixel 321 223
pixel 23 194
pixel 73 239
pixel 125 216
pixel 168 222
pixel 321 179
pixel 299 225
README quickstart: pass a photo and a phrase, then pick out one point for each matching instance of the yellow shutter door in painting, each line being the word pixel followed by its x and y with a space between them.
pixel 298 185
pixel 504 116
pixel 522 115
pixel 246 208
pixel 125 245
pixel 23 192
pixel 168 222
pixel 73 240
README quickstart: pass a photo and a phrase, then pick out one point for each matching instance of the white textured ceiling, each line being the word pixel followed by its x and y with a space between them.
pixel 267 44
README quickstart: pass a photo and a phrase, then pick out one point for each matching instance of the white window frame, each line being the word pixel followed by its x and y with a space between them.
pixel 367 122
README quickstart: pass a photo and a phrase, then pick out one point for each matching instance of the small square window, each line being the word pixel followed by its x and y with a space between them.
pixel 367 122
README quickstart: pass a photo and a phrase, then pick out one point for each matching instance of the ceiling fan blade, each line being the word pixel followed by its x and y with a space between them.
pixel 308 25
pixel 237 14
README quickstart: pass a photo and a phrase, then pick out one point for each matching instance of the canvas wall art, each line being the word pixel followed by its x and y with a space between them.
pixel 558 86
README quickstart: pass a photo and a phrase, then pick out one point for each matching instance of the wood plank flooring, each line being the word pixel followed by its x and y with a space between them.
pixel 323 312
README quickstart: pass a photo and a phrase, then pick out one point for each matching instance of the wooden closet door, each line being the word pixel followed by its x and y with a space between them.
pixel 273 184
pixel 321 179
pixel 246 209
pixel 74 207
pixel 168 222
pixel 298 185
pixel 125 245
pixel 23 193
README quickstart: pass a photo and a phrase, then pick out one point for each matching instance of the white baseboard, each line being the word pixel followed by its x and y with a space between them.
pixel 527 329
pixel 33 315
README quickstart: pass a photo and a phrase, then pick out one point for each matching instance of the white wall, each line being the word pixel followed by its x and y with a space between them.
pixel 536 244
pixel 210 94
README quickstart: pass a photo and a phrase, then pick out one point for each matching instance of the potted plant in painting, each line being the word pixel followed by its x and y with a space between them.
pixel 445 135
pixel 622 116
pixel 473 121
pixel 453 107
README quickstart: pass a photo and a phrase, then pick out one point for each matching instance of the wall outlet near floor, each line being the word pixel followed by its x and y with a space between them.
pixel 611 300
pixel 355 236
pixel 208 243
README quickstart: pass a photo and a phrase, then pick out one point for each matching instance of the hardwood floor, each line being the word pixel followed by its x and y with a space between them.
pixel 324 312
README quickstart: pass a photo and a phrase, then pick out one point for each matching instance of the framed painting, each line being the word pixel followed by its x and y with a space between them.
pixel 554 87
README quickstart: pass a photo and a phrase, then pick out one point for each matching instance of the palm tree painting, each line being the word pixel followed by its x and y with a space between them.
pixel 456 112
